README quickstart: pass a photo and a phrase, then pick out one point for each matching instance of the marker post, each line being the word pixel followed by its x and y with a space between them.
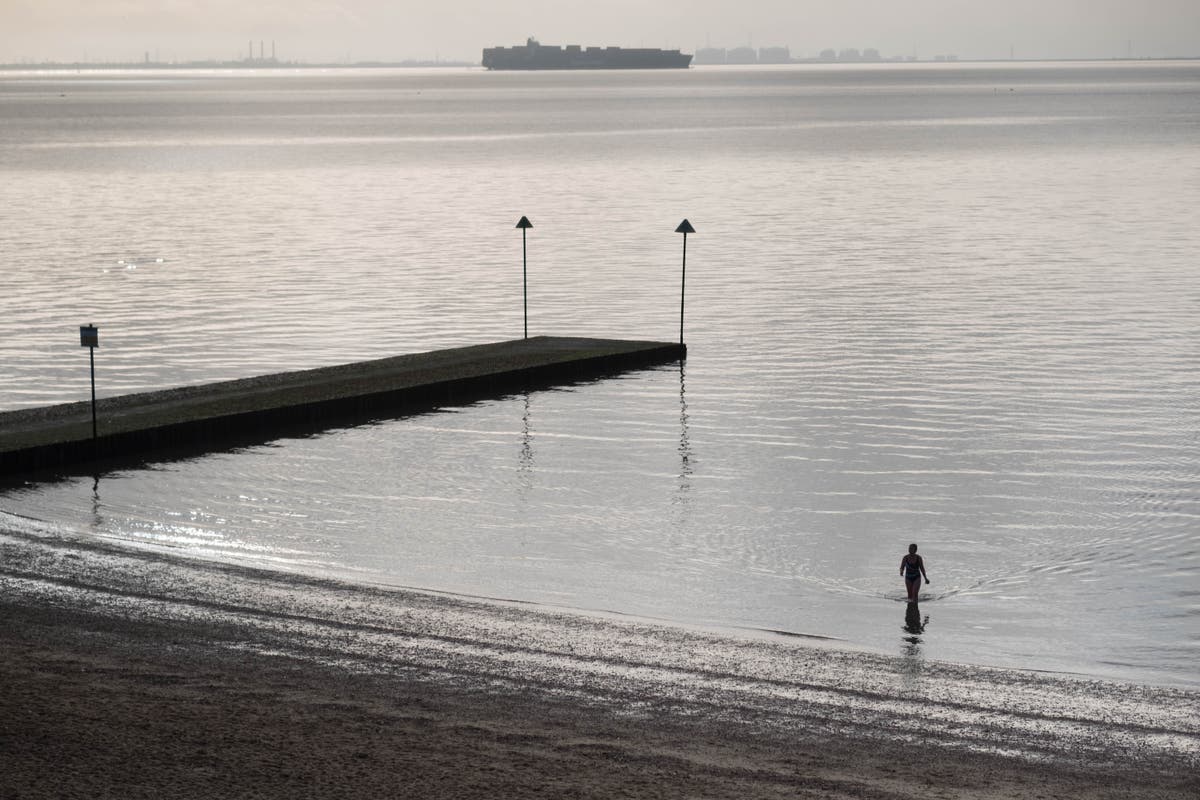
pixel 524 224
pixel 89 337
pixel 685 228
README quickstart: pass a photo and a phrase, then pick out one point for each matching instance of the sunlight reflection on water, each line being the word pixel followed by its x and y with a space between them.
pixel 919 312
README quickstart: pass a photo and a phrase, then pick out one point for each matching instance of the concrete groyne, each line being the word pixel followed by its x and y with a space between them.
pixel 195 419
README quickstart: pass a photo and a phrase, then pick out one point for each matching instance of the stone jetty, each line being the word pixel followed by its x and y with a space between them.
pixel 195 419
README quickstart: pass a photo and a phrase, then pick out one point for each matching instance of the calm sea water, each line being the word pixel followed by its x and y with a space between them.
pixel 954 304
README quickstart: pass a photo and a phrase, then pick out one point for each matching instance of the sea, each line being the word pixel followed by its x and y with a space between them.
pixel 952 304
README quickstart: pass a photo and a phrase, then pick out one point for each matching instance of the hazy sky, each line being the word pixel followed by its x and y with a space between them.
pixel 336 30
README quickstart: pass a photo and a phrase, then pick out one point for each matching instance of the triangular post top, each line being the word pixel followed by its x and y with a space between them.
pixel 524 223
pixel 685 228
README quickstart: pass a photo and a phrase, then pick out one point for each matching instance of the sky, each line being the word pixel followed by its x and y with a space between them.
pixel 395 30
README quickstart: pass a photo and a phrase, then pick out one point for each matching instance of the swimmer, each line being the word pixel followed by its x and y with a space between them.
pixel 912 567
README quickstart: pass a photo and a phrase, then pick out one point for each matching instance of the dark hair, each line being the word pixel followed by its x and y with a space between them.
pixel 912 548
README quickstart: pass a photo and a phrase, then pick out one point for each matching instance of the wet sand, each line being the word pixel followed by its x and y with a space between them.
pixel 131 674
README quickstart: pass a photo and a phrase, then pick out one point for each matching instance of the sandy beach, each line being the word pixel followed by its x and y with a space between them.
pixel 131 674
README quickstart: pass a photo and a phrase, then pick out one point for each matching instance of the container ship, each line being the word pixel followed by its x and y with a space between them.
pixel 539 56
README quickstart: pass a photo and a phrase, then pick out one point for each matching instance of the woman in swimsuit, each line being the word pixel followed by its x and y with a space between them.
pixel 912 567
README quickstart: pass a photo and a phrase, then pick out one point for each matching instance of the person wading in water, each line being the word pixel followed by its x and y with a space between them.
pixel 912 567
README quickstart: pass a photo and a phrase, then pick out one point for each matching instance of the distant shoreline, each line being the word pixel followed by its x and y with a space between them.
pixel 234 65
pixel 304 65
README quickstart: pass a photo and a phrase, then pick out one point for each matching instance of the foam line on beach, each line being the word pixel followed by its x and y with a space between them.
pixel 782 686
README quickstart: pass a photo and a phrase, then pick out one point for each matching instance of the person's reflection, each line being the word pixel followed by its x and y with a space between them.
pixel 913 623
pixel 914 626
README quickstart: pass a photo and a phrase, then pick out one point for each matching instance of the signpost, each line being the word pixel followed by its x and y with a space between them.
pixel 524 224
pixel 89 337
pixel 685 228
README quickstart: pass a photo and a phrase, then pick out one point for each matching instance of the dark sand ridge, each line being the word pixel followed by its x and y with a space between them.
pixel 132 674
pixel 266 406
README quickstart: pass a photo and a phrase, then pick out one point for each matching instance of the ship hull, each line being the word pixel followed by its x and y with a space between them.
pixel 534 56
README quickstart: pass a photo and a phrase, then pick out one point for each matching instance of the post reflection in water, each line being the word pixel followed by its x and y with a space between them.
pixel 97 520
pixel 525 457
pixel 685 446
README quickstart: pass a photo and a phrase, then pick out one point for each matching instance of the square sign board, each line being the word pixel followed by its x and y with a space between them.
pixel 89 336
